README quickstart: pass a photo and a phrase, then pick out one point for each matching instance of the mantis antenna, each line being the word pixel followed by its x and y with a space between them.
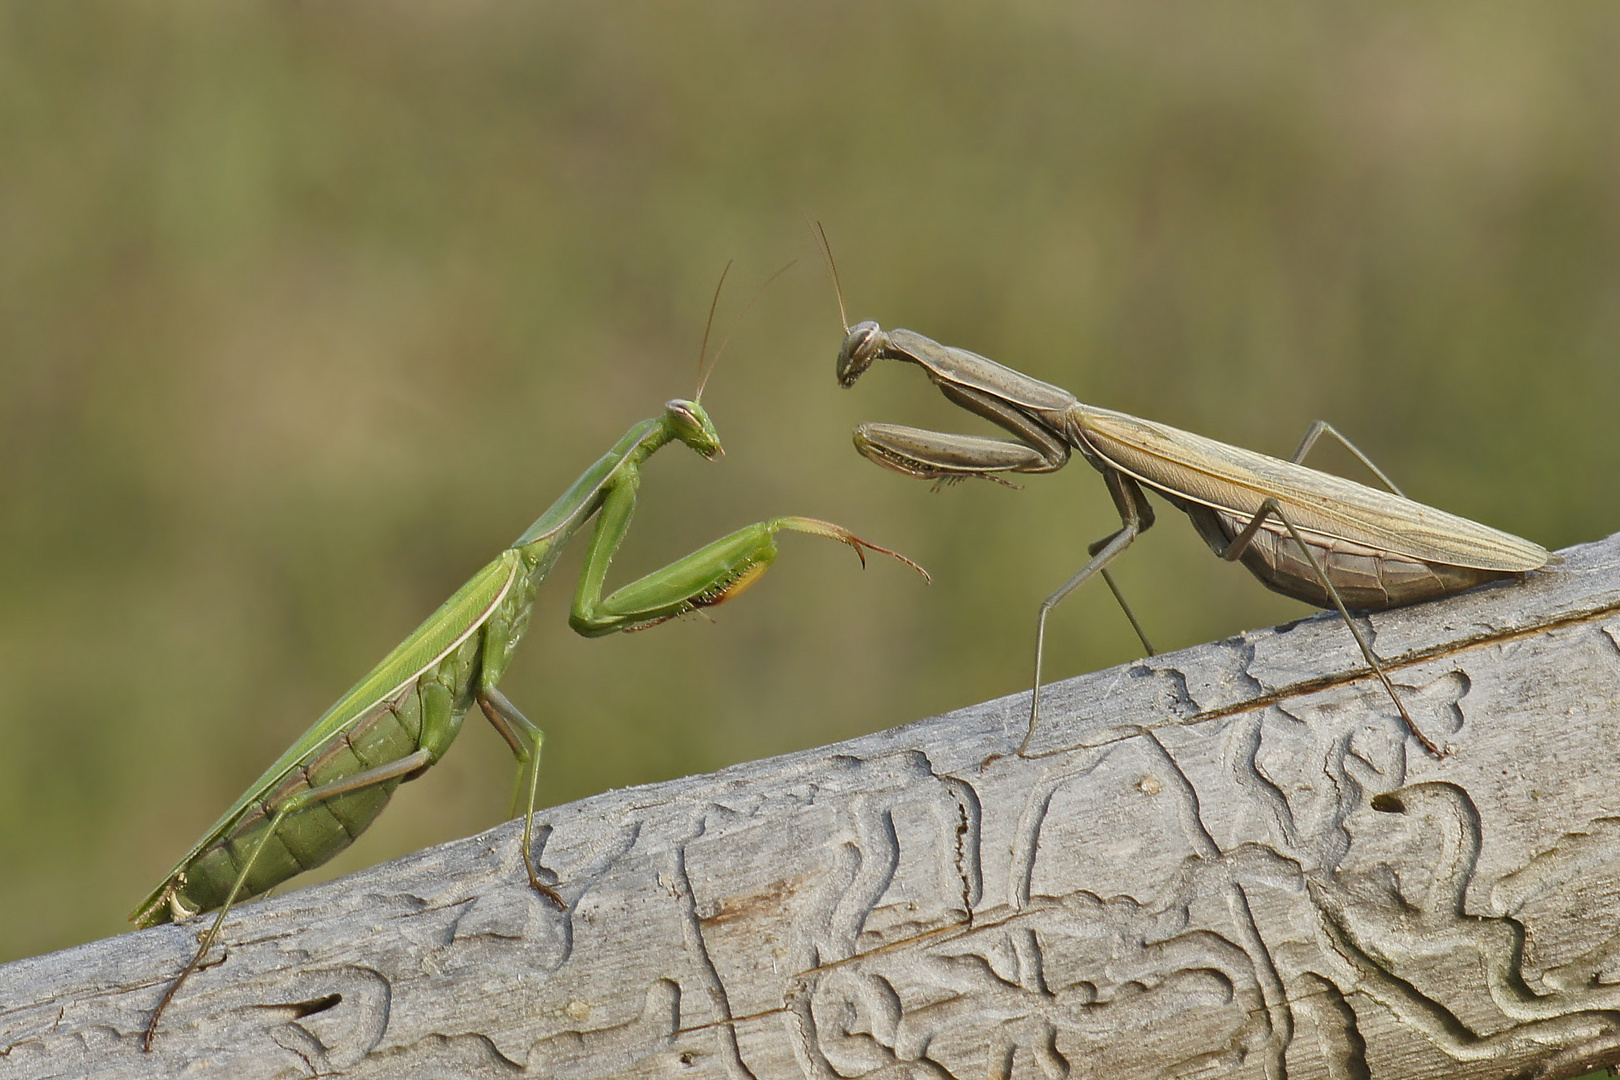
pixel 703 350
pixel 703 381
pixel 820 232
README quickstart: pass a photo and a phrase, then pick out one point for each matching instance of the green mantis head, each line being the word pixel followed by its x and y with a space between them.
pixel 690 424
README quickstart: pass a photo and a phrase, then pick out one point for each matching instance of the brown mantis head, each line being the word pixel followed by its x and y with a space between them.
pixel 863 343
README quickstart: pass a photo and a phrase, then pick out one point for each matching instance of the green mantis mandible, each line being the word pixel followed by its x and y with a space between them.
pixel 400 718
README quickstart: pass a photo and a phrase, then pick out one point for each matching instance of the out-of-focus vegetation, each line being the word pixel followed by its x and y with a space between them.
pixel 306 310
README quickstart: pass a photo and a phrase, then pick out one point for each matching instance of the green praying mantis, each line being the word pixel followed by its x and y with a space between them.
pixel 1319 538
pixel 399 719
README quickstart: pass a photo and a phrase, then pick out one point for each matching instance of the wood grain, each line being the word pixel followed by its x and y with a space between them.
pixel 1226 861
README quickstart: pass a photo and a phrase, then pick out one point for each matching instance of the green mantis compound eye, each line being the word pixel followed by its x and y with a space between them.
pixel 693 427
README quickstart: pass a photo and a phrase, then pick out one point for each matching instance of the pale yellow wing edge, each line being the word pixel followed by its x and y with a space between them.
pixel 1230 478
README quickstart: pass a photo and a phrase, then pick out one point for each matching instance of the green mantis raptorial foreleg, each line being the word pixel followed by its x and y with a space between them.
pixel 401 718
pixel 1306 534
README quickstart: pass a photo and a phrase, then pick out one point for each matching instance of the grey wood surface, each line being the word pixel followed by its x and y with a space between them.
pixel 1226 861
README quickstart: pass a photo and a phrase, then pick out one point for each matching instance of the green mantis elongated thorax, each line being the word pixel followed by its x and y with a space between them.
pixel 1319 538
pixel 400 718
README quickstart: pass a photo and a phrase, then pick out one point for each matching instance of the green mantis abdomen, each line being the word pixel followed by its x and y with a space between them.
pixel 310 836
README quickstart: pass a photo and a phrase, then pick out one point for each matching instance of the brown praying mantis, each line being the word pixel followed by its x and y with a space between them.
pixel 1310 535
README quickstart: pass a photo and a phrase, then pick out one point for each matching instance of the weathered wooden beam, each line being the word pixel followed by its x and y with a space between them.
pixel 1230 860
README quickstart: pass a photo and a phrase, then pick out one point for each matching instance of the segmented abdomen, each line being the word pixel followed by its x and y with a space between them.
pixel 1367 579
pixel 309 837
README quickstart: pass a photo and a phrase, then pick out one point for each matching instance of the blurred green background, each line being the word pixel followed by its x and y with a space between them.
pixel 306 310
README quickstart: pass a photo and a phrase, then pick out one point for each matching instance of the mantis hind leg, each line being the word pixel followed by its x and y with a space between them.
pixel 1234 550
pixel 394 770
pixel 1136 517
pixel 525 739
pixel 1317 429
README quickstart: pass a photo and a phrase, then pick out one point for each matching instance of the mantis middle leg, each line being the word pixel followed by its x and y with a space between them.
pixel 525 739
pixel 1136 517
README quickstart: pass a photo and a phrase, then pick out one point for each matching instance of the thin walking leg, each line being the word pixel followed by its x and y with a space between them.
pixel 1315 431
pixel 1136 517
pixel 1242 541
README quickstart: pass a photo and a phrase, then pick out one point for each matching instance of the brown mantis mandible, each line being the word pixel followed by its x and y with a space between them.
pixel 1319 538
